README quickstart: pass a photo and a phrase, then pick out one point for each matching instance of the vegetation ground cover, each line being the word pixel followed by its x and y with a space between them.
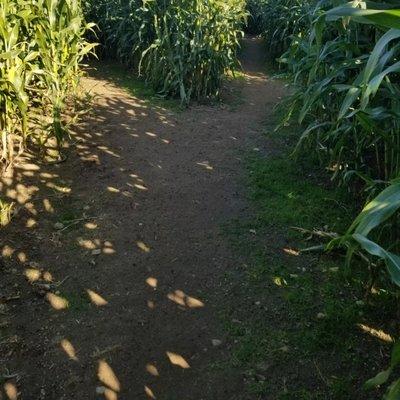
pixel 308 317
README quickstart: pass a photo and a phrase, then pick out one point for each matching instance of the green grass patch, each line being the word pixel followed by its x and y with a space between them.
pixel 295 317
pixel 287 193
pixel 77 302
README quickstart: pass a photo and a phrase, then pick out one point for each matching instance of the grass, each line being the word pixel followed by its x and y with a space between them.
pixel 294 317
pixel 78 302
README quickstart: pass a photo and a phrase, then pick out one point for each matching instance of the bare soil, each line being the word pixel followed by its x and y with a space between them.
pixel 112 270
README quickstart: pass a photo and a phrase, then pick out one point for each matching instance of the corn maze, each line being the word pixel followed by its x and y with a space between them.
pixel 329 94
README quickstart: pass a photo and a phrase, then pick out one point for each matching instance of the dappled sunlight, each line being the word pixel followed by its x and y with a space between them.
pixel 179 297
pixel 89 244
pixel 178 360
pixel 97 246
pixel 21 194
pixel 206 165
pixel 31 208
pixel 59 188
pixel 22 257
pixel 140 187
pixel 48 206
pixel 377 333
pixel 154 136
pixel 69 349
pixel 7 251
pixel 30 223
pixel 110 394
pixel 192 302
pixel 96 299
pixel 11 391
pixel 57 302
pixel 152 370
pixel 291 252
pixel 107 376
pixel 34 275
pixel 106 150
pixel 91 225
pixel 149 393
pixel 152 282
pixel 113 189
pixel 143 247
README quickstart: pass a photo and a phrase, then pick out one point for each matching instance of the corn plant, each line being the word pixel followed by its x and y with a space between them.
pixel 41 47
pixel 346 100
pixel 256 10
pixel 58 35
pixel 369 228
pixel 14 65
pixel 285 20
pixel 181 47
pixel 279 21
pixel 393 390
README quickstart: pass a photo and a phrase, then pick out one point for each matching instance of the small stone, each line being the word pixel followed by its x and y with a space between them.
pixel 321 315
pixel 96 252
pixel 334 269
pixel 58 225
pixel 257 303
pixel 100 389
pixel 216 342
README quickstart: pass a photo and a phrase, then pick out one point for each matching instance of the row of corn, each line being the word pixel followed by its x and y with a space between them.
pixel 343 59
pixel 182 48
pixel 42 43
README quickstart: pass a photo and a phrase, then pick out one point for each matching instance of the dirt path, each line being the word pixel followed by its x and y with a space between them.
pixel 139 254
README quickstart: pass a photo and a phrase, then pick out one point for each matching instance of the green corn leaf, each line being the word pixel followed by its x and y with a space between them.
pixel 349 100
pixel 395 357
pixel 394 391
pixel 379 379
pixel 386 18
pixel 392 261
pixel 377 211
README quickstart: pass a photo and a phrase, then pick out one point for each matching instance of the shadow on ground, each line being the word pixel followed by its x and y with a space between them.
pixel 108 265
